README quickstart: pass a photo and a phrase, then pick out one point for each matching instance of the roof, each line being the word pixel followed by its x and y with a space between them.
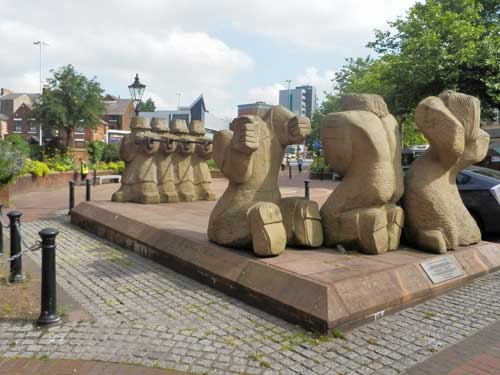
pixel 116 107
pixel 15 95
pixel 199 98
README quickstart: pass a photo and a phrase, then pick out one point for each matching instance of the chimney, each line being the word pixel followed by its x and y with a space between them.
pixel 4 91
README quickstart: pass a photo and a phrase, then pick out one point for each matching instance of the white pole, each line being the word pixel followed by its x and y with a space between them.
pixel 40 43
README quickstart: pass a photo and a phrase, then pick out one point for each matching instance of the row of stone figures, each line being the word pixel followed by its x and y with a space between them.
pixel 373 203
pixel 165 164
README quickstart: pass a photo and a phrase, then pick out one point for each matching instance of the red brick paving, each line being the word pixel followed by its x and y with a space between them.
pixel 26 366
pixel 478 354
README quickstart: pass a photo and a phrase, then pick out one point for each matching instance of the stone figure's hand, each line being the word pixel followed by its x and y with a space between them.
pixel 245 137
pixel 299 127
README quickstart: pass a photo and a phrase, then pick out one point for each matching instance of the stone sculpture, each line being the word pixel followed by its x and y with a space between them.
pixel 165 164
pixel 436 219
pixel 139 180
pixel 362 144
pixel 201 172
pixel 249 213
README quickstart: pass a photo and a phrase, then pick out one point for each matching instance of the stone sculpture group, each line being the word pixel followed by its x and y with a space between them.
pixel 165 164
pixel 362 144
pixel 368 211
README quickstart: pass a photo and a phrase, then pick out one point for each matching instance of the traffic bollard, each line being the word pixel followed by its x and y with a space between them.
pixel 48 307
pixel 71 196
pixel 306 188
pixel 16 265
pixel 289 171
pixel 1 230
pixel 87 190
pixel 95 177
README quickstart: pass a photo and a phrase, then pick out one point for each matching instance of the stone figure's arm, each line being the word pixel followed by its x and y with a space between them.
pixel 127 148
pixel 150 147
pixel 204 151
pixel 441 128
pixel 185 148
pixel 168 148
pixel 233 151
pixel 475 150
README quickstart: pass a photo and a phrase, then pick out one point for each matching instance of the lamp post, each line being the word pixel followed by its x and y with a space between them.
pixel 178 100
pixel 136 91
pixel 289 81
pixel 40 43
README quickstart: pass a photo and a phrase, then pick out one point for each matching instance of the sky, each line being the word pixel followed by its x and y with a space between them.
pixel 231 51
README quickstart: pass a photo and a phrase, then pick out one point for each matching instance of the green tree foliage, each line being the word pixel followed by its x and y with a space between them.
pixel 11 163
pixel 71 101
pixel 96 150
pixel 19 143
pixel 437 45
pixel 147 106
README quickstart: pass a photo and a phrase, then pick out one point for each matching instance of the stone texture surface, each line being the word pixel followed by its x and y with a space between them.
pixel 317 288
pixel 174 170
pixel 436 218
pixel 147 314
pixel 249 155
pixel 362 144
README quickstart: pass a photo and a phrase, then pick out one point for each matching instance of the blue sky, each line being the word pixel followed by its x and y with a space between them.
pixel 231 51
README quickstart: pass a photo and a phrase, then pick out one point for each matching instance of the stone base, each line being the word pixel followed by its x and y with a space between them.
pixel 319 289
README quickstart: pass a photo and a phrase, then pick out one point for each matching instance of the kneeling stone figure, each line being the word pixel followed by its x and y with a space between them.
pixel 250 213
pixel 362 145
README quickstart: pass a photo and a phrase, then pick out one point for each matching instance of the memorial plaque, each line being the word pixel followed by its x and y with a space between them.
pixel 442 269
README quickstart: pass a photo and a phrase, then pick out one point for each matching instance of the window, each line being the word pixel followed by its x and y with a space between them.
pixel 80 130
pixel 17 126
pixel 32 126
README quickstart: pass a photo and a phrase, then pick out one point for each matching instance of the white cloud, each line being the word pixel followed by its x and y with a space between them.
pixel 268 94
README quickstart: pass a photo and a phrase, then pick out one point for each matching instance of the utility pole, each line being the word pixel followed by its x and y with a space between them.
pixel 289 81
pixel 40 43
pixel 178 100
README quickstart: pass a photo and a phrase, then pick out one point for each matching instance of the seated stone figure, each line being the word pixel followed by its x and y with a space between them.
pixel 164 162
pixel 248 215
pixel 436 218
pixel 201 172
pixel 362 144
pixel 139 180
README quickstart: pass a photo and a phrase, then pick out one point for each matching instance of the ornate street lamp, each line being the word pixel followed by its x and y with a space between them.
pixel 136 91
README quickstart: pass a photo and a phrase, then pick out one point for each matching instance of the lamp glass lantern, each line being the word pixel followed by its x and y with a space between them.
pixel 136 91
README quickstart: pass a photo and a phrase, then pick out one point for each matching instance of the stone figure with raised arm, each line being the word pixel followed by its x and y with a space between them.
pixel 436 218
pixel 249 214
pixel 139 180
pixel 362 144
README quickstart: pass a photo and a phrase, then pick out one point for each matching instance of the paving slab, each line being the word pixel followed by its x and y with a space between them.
pixel 320 289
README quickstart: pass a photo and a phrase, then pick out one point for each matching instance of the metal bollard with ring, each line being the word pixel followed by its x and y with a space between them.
pixel 87 190
pixel 71 196
pixel 48 308
pixel 289 171
pixel 306 189
pixel 16 264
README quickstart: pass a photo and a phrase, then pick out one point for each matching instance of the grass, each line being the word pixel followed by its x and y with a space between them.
pixel 429 315
pixel 258 357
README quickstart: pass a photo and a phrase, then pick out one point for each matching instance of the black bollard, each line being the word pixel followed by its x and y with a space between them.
pixel 71 196
pixel 1 230
pixel 322 174
pixel 95 176
pixel 306 187
pixel 16 265
pixel 48 313
pixel 87 190
pixel 289 171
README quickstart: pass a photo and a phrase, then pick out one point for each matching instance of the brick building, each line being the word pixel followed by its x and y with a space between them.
pixel 16 117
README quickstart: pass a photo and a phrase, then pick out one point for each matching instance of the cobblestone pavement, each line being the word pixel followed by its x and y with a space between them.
pixel 147 314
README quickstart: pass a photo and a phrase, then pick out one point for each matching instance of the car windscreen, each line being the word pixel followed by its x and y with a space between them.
pixel 487 172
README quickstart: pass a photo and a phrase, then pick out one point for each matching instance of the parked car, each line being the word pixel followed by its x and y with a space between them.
pixel 479 188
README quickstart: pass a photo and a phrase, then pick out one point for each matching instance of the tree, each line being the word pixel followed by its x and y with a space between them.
pixel 438 45
pixel 147 106
pixel 71 101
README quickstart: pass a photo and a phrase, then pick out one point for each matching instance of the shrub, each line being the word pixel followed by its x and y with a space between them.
pixel 111 153
pixel 121 166
pixel 96 150
pixel 19 143
pixel 113 166
pixel 36 152
pixel 11 163
pixel 319 164
pixel 36 168
pixel 61 162
pixel 211 164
